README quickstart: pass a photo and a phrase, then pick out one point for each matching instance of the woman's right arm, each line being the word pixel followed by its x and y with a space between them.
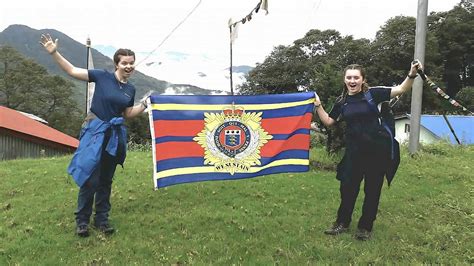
pixel 323 115
pixel 52 48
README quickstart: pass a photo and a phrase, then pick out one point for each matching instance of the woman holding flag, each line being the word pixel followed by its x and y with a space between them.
pixel 103 136
pixel 369 153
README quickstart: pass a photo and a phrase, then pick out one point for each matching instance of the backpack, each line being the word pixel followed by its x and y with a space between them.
pixel 386 118
pixel 386 130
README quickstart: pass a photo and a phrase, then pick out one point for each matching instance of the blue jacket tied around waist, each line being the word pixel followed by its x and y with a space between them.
pixel 88 154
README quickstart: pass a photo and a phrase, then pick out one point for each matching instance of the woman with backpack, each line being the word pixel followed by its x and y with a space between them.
pixel 371 152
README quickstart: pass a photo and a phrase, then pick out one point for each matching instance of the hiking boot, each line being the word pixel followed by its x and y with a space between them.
pixel 82 230
pixel 362 234
pixel 336 229
pixel 106 229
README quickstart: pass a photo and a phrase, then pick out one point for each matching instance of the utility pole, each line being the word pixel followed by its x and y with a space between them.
pixel 417 92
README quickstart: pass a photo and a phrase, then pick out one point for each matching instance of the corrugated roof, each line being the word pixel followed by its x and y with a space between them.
pixel 463 126
pixel 14 120
pixel 34 117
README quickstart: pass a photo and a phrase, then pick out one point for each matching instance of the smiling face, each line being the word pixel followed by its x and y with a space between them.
pixel 354 80
pixel 124 60
pixel 125 66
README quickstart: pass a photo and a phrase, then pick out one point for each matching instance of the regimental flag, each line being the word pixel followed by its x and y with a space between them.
pixel 199 138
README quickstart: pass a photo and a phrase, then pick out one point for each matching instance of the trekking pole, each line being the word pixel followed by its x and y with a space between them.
pixel 440 92
pixel 451 128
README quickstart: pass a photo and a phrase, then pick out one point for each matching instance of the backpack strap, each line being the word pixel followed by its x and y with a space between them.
pixel 375 109
pixel 372 105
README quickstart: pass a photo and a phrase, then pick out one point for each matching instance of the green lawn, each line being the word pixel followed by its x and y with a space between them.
pixel 426 216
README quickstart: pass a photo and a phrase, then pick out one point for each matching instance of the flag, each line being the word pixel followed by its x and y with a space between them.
pixel 202 138
pixel 234 30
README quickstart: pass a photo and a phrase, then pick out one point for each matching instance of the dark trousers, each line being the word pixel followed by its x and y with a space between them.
pixel 98 186
pixel 365 169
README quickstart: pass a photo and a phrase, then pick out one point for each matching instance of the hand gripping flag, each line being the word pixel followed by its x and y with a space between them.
pixel 199 138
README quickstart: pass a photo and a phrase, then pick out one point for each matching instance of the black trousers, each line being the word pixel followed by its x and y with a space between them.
pixel 97 188
pixel 370 170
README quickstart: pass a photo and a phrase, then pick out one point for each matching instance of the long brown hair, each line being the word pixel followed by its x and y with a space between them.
pixel 365 86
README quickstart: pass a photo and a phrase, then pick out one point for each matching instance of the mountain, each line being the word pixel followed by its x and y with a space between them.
pixel 199 69
pixel 25 40
pixel 241 69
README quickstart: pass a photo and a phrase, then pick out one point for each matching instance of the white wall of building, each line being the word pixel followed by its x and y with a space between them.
pixel 402 132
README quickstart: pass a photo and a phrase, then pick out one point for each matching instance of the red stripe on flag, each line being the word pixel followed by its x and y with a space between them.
pixel 170 150
pixel 286 125
pixel 177 128
pixel 296 142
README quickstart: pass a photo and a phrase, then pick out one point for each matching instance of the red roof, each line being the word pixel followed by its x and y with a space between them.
pixel 14 120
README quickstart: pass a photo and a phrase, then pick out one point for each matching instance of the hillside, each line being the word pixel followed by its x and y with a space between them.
pixel 25 40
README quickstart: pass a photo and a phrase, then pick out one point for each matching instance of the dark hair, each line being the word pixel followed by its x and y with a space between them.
pixel 122 52
pixel 365 86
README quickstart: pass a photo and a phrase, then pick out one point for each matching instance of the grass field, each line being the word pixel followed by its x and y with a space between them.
pixel 426 216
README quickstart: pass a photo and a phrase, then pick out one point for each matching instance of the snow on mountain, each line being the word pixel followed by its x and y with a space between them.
pixel 181 68
pixel 198 70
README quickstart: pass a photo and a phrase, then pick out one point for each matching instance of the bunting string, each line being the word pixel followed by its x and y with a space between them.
pixel 441 93
pixel 262 4
pixel 233 30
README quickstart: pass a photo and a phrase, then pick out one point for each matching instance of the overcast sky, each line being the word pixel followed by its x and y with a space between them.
pixel 142 24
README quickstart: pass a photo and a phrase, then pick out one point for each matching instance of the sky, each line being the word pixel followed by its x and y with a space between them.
pixel 142 25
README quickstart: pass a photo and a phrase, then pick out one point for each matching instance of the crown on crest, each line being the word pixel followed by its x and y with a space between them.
pixel 233 111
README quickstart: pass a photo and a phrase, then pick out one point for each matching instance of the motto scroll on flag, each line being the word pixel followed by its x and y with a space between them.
pixel 202 138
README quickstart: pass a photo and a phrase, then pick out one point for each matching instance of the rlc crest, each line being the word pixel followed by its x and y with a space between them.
pixel 232 139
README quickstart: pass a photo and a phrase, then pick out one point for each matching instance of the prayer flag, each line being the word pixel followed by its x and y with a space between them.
pixel 264 4
pixel 202 138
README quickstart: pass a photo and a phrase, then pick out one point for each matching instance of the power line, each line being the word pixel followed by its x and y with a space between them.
pixel 171 32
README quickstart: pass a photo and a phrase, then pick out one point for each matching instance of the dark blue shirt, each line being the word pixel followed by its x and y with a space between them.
pixel 111 97
pixel 361 121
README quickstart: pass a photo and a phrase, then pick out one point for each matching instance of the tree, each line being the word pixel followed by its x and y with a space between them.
pixel 26 86
pixel 466 98
pixel 392 52
pixel 139 130
pixel 316 61
pixel 17 77
pixel 281 72
pixel 454 30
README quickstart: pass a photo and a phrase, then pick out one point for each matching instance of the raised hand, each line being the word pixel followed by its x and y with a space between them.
pixel 48 44
pixel 145 97
pixel 317 101
pixel 415 65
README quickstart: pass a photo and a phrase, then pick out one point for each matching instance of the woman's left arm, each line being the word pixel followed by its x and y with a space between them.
pixel 408 82
pixel 131 112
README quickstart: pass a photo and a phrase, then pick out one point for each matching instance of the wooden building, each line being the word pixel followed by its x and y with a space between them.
pixel 24 137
